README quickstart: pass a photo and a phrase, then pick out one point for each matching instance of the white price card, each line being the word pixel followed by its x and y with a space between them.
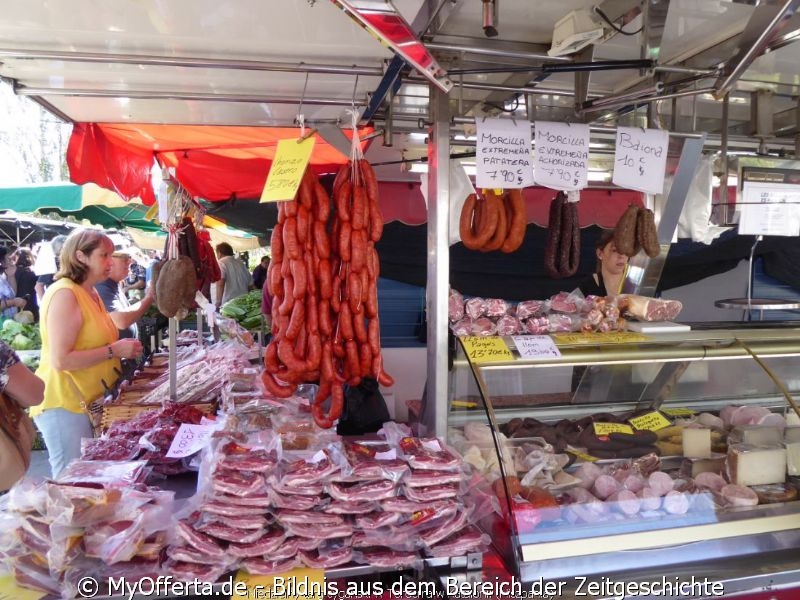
pixel 562 155
pixel 503 154
pixel 770 209
pixel 536 346
pixel 640 159
pixel 190 439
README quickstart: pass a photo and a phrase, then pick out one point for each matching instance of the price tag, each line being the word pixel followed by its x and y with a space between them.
pixel 288 166
pixel 581 455
pixel 190 439
pixel 770 208
pixel 606 428
pixel 503 154
pixel 486 349
pixel 536 346
pixel 595 337
pixel 640 159
pixel 678 412
pixel 9 590
pixel 562 155
pixel 296 584
pixel 652 421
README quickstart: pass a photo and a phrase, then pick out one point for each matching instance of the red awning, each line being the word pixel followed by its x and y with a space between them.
pixel 211 161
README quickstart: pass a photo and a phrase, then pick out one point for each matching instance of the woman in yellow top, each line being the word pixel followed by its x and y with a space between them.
pixel 80 346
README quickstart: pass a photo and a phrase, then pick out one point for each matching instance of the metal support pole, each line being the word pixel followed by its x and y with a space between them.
pixel 172 331
pixel 723 180
pixel 199 313
pixel 797 131
pixel 434 417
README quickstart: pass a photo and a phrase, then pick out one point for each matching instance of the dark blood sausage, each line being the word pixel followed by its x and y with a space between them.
pixel 570 250
pixel 625 232
pixel 640 438
pixel 551 248
pixel 646 232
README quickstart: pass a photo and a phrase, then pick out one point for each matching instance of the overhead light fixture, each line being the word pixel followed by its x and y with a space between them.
pixel 418 168
pixel 598 176
pixel 574 32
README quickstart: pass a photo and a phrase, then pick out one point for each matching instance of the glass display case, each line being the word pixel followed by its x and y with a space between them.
pixel 623 451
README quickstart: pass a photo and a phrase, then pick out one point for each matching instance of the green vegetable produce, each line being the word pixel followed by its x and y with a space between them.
pixel 24 316
pixel 20 342
pixel 245 310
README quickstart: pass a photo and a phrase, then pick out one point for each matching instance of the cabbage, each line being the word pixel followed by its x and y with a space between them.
pixel 12 327
pixel 20 342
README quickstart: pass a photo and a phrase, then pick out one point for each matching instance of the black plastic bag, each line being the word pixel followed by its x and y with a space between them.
pixel 365 409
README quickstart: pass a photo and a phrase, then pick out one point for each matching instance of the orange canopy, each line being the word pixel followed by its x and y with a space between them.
pixel 213 162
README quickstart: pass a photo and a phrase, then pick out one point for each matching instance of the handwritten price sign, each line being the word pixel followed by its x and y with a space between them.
pixel 536 346
pixel 503 154
pixel 562 155
pixel 486 349
pixel 652 421
pixel 640 159
pixel 288 166
pixel 190 439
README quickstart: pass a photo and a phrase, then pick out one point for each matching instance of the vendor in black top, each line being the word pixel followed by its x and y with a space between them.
pixel 612 268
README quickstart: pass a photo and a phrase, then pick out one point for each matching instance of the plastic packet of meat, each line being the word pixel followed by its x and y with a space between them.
pixel 268 566
pixel 31 574
pixel 480 501
pixel 110 448
pixel 496 308
pixel 364 491
pixel 529 308
pixel 462 327
pixel 184 571
pixel 368 460
pixel 29 495
pixel 139 424
pixel 567 302
pixel 475 308
pixel 431 493
pixel 115 541
pixel 385 557
pixel 508 325
pixel 643 308
pixel 558 323
pixel 455 306
pixel 109 473
pixel 66 548
pixel 538 325
pixel 429 454
pixel 326 558
pixel 10 525
pixel 463 542
pixel 483 327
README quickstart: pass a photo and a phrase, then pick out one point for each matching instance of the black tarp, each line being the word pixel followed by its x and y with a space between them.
pixel 521 276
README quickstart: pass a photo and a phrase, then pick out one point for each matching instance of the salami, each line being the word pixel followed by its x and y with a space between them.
pixel 553 242
pixel 646 232
pixel 625 232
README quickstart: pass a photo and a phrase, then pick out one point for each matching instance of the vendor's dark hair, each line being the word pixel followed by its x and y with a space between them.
pixel 225 249
pixel 24 258
pixel 85 240
pixel 605 238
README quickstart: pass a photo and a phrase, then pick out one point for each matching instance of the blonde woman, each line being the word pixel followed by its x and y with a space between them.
pixel 80 346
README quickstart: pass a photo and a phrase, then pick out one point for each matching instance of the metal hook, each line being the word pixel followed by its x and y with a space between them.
pixel 355 88
pixel 514 121
pixel 303 96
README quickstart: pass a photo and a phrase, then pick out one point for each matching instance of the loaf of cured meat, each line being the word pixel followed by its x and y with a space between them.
pixel 648 309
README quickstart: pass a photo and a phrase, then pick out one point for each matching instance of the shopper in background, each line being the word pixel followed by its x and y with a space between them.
pixel 134 281
pixel 122 312
pixel 612 268
pixel 235 280
pixel 26 280
pixel 260 273
pixel 80 347
pixel 46 279
pixel 10 303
